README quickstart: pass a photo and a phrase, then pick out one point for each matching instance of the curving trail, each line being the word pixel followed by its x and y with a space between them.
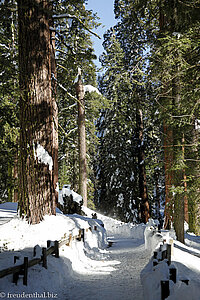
pixel 121 284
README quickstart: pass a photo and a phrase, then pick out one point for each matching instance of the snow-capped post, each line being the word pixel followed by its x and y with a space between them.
pixel 48 243
pixel 81 138
pixel 56 249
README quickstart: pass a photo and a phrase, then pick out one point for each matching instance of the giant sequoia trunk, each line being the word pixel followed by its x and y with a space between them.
pixel 38 112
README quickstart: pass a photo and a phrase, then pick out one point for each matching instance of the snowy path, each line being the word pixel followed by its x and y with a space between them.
pixel 7 212
pixel 122 284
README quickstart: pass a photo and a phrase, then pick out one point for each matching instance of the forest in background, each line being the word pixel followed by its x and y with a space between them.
pixel 141 133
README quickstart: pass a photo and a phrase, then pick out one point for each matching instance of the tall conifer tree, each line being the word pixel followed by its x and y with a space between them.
pixel 37 195
pixel 8 99
pixel 116 161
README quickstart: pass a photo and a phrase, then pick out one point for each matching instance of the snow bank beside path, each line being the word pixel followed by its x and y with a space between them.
pixel 91 258
pixel 187 265
pixel 151 278
pixel 117 228
pixel 91 263
pixel 153 238
pixel 18 238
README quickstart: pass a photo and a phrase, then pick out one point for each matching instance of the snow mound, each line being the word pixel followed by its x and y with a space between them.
pixel 186 264
pixel 118 228
pixel 66 191
pixel 18 238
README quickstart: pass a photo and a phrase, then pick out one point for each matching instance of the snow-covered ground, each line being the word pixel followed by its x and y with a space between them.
pixel 186 260
pixel 91 270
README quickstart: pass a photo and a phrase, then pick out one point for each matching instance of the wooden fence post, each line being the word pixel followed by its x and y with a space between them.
pixel 164 289
pixel 56 247
pixel 83 235
pixel 44 257
pixel 171 241
pixel 164 254
pixel 172 274
pixel 169 249
pixel 155 262
pixel 25 271
pixel 15 259
pixel 15 275
pixel 34 251
pixel 70 239
pixel 155 254
pixel 79 235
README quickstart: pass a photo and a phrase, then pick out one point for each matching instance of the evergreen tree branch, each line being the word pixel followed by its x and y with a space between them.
pixel 62 87
pixel 67 134
pixel 80 21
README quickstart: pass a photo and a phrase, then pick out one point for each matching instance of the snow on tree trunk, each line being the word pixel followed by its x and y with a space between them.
pixel 38 112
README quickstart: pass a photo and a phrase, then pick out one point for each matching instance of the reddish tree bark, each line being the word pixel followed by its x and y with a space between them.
pixel 38 112
pixel 168 161
pixel 185 184
pixel 141 167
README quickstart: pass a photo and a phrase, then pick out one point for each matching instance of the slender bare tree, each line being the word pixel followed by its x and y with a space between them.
pixel 82 139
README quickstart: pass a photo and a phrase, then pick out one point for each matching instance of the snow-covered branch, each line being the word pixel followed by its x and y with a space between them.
pixel 4 46
pixel 68 107
pixel 89 88
pixel 75 17
pixel 64 89
pixel 64 16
